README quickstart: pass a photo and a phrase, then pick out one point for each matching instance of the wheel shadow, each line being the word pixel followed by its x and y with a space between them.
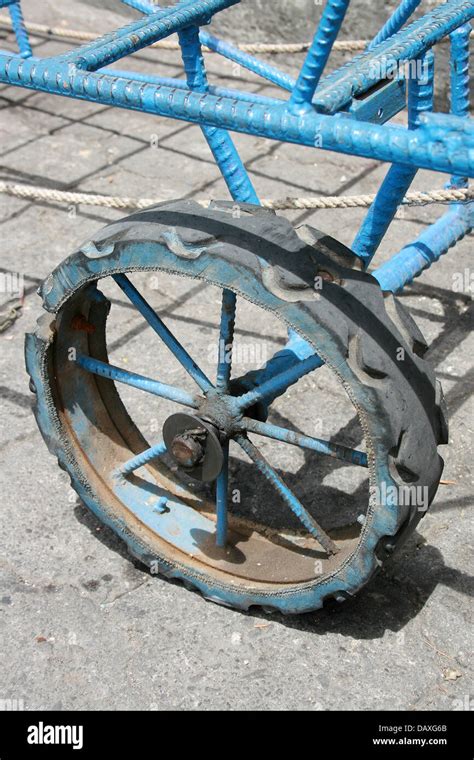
pixel 395 596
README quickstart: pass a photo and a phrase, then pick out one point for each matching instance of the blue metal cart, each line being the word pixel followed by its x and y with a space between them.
pixel 337 314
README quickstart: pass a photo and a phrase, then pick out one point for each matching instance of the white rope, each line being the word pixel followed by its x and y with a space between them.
pixel 48 195
pixel 347 46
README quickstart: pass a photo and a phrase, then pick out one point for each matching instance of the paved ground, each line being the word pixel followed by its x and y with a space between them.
pixel 84 627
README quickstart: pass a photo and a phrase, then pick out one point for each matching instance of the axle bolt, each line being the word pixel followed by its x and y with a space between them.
pixel 187 448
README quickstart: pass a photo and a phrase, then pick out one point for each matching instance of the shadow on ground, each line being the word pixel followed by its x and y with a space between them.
pixel 395 596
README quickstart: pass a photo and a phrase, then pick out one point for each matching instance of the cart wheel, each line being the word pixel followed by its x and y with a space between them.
pixel 169 498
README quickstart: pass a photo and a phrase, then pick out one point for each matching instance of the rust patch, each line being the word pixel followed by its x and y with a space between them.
pixel 81 323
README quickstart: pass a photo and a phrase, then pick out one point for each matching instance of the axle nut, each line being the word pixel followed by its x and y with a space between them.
pixel 187 449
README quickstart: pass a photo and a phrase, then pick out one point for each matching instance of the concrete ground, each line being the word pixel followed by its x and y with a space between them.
pixel 82 625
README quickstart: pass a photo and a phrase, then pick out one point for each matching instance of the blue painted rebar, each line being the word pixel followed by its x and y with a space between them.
pixel 337 89
pixel 224 366
pixel 433 242
pixel 157 324
pixel 318 54
pixel 241 189
pixel 287 495
pixel 222 496
pixel 226 339
pixel 144 32
pixel 231 165
pixel 344 453
pixel 220 92
pixel 453 135
pixel 181 84
pixel 142 459
pixel 229 51
pixel 400 176
pixel 119 36
pixel 296 349
pixel 460 85
pixel 18 24
pixel 247 61
pixel 154 387
pixel 219 140
pixel 398 18
pixel 421 89
pixel 277 384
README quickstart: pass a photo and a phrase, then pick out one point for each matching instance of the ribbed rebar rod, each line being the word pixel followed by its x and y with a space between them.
pixel 399 177
pixel 460 83
pixel 318 54
pixel 398 18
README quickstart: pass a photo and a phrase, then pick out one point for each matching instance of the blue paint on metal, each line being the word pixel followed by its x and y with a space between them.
pixel 130 33
pixel 295 350
pixel 399 177
pixel 336 90
pixel 451 151
pixel 247 61
pixel 157 324
pixel 226 339
pixel 440 142
pixel 139 34
pixel 277 384
pixel 421 89
pixel 318 54
pixel 222 497
pixel 135 380
pixel 379 105
pixel 232 53
pixel 142 459
pixel 433 242
pixel 220 92
pixel 287 495
pixel 241 189
pixel 22 38
pixel 161 505
pixel 448 149
pixel 327 448
pixel 172 520
pixel 219 140
pixel 224 367
pixel 398 19
pixel 230 164
pixel 460 85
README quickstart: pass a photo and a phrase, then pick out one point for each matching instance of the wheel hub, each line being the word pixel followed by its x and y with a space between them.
pixel 194 445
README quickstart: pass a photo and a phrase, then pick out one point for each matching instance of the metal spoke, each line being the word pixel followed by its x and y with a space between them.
pixel 157 324
pixel 288 496
pixel 110 372
pixel 346 454
pixel 141 459
pixel 226 339
pixel 222 487
pixel 279 383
